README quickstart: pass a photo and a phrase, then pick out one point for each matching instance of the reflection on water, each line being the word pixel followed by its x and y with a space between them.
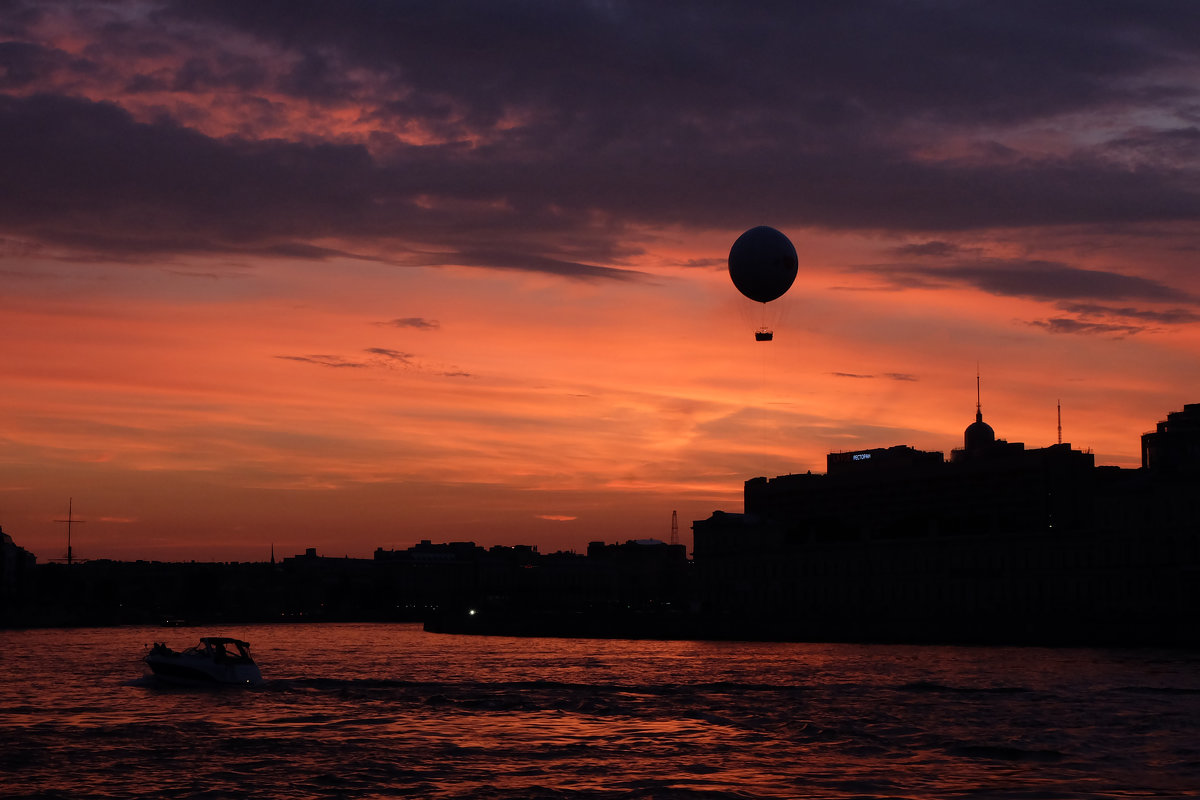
pixel 388 710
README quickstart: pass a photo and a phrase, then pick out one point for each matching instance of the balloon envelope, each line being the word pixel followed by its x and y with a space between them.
pixel 763 264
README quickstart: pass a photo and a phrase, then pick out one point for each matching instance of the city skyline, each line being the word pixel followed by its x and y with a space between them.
pixel 355 277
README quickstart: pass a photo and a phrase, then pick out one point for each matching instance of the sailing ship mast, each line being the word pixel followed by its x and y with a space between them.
pixel 69 520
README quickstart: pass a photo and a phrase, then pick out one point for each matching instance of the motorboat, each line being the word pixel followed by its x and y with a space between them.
pixel 215 660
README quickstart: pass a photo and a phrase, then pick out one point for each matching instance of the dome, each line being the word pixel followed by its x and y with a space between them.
pixel 978 434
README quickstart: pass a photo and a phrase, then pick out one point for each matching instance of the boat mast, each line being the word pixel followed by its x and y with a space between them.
pixel 68 520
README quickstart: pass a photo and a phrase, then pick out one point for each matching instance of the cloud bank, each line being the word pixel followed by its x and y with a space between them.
pixel 529 136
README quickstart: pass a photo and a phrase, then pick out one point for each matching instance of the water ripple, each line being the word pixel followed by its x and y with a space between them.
pixel 389 711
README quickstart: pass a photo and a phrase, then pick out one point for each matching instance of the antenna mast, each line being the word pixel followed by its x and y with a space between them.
pixel 1060 421
pixel 674 527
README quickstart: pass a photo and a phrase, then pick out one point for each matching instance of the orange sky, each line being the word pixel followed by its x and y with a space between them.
pixel 216 341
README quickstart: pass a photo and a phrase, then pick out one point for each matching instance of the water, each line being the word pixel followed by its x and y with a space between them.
pixel 377 711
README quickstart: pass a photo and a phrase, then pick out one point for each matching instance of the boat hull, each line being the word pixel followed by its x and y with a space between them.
pixel 188 672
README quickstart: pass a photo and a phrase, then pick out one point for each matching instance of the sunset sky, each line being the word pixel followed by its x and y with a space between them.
pixel 353 275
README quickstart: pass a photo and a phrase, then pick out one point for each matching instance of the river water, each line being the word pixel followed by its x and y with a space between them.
pixel 377 711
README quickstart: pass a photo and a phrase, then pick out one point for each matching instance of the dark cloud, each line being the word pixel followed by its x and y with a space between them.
pixel 18 16
pixel 1172 316
pixel 1172 146
pixel 936 249
pixel 301 250
pixel 391 356
pixel 1040 280
pixel 892 376
pixel 540 263
pixel 412 322
pixel 223 73
pixel 1063 325
pixel 842 63
pixel 380 358
pixel 22 63
pixel 1097 319
pixel 95 179
pixel 316 77
pixel 1048 280
pixel 549 129
pixel 89 170
pixel 325 361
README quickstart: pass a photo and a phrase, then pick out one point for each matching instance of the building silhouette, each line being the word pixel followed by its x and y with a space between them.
pixel 510 588
pixel 998 543
pixel 1174 447
pixel 17 576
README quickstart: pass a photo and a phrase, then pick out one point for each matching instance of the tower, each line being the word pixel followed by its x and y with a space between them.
pixel 1060 421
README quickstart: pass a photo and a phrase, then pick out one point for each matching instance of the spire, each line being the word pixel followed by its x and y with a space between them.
pixel 1060 421
pixel 978 407
pixel 978 435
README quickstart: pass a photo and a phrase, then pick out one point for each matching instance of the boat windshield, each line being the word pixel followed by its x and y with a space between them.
pixel 227 651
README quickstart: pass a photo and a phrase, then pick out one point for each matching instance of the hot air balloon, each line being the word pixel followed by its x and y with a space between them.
pixel 763 265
